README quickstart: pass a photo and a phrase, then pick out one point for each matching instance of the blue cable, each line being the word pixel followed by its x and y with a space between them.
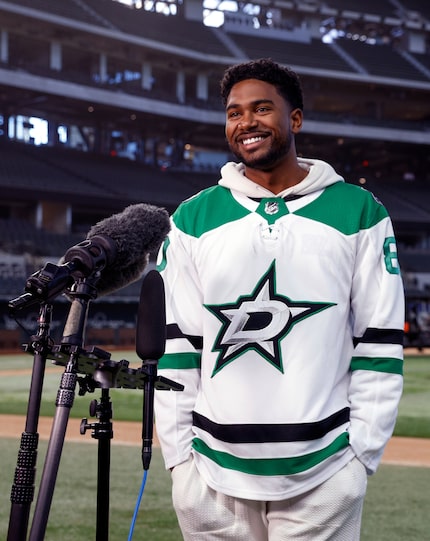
pixel 136 509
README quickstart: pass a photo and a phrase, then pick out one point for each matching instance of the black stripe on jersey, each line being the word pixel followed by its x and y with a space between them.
pixel 287 198
pixel 261 433
pixel 380 336
pixel 173 331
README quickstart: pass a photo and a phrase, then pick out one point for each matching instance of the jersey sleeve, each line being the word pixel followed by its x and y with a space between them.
pixel 377 300
pixel 181 361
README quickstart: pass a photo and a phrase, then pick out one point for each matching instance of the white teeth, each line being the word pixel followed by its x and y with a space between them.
pixel 252 140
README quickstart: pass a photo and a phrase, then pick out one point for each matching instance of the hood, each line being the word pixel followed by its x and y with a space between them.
pixel 320 175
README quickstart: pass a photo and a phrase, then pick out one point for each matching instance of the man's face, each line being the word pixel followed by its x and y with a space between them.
pixel 258 124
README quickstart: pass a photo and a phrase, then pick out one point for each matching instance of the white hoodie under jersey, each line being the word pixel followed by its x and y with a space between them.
pixel 285 316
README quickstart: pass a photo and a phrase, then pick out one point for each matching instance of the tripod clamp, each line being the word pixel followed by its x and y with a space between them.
pixel 102 410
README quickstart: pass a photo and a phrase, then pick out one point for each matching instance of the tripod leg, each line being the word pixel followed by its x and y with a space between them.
pixel 22 491
pixel 23 487
pixel 64 403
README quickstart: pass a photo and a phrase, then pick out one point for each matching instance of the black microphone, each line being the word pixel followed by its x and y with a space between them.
pixel 150 345
pixel 127 239
pixel 137 232
pixel 117 248
pixel 151 318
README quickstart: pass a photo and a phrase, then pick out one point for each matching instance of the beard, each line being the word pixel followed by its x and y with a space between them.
pixel 267 161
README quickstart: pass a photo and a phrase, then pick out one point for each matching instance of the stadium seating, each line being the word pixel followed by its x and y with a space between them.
pixel 20 236
pixel 421 7
pixel 176 31
pixel 382 8
pixel 69 10
pixel 313 55
pixel 22 167
pixel 101 184
pixel 381 60
pixel 44 171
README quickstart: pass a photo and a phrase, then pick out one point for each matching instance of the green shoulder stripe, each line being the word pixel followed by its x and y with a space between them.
pixel 346 207
pixel 272 466
pixel 378 364
pixel 180 361
pixel 208 210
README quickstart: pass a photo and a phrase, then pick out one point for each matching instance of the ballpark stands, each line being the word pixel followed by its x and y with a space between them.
pixel 111 75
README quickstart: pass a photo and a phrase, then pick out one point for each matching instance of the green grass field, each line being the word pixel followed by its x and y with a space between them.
pixel 413 419
pixel 396 507
pixel 73 511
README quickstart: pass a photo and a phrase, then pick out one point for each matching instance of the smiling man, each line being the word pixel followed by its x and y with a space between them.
pixel 285 315
pixel 260 137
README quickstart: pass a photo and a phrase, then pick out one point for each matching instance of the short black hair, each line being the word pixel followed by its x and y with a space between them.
pixel 285 80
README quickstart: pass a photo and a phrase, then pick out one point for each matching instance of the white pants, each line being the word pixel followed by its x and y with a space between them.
pixel 330 512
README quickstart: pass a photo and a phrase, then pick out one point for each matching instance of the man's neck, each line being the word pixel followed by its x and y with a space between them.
pixel 277 181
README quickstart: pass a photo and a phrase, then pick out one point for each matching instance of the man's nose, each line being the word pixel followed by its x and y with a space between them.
pixel 248 120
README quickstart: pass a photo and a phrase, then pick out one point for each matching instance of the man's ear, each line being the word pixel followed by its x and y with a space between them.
pixel 296 120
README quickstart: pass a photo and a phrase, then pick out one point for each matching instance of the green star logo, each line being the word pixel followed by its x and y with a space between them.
pixel 259 322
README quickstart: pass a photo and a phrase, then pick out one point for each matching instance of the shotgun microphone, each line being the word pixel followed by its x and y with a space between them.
pixel 117 248
pixel 150 345
pixel 151 318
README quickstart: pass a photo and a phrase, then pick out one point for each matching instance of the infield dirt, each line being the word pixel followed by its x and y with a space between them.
pixel 400 451
pixel 404 451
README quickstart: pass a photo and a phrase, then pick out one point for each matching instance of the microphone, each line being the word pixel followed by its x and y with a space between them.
pixel 151 318
pixel 127 239
pixel 137 231
pixel 116 248
pixel 150 345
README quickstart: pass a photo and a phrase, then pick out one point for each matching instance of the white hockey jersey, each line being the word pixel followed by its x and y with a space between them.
pixel 285 319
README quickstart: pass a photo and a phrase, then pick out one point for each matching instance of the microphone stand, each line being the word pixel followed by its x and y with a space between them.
pixel 105 376
pixel 101 372
pixel 102 431
pixel 72 343
pixel 22 491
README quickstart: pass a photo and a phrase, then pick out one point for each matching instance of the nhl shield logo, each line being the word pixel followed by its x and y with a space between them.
pixel 271 207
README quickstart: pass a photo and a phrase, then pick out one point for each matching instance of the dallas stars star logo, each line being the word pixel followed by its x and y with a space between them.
pixel 259 322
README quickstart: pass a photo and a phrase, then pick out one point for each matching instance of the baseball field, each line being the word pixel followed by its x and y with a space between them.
pixel 396 507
